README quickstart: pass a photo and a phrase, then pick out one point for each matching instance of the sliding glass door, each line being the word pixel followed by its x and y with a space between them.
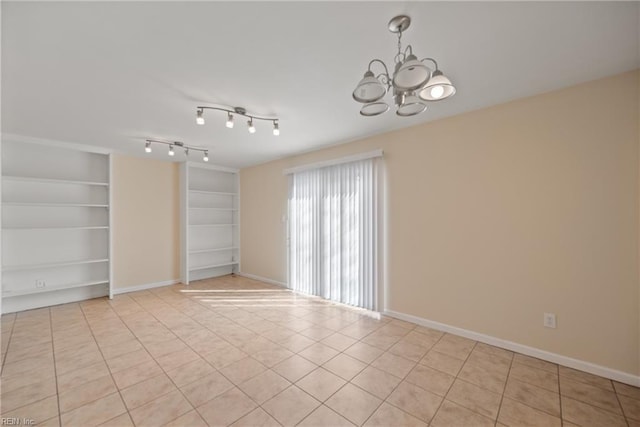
pixel 334 217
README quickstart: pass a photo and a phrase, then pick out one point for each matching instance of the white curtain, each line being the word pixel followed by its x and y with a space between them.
pixel 333 232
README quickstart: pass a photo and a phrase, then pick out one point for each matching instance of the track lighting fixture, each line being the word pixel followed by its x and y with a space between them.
pixel 241 112
pixel 173 144
pixel 413 82
pixel 199 118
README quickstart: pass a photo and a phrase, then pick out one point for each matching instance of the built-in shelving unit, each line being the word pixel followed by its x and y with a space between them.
pixel 210 226
pixel 55 225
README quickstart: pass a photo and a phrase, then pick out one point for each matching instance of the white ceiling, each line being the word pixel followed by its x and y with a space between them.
pixel 113 74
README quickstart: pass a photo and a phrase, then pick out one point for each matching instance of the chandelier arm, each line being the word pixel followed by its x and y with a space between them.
pixel 432 60
pixel 177 144
pixel 386 70
pixel 408 48
pixel 240 113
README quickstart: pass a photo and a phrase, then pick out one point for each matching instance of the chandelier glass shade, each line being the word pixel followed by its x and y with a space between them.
pixel 414 81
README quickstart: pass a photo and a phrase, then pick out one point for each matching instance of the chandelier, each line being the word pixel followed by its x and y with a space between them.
pixel 240 112
pixel 413 82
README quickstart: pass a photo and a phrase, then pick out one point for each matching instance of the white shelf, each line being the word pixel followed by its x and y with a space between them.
pixel 212 225
pixel 216 209
pixel 52 264
pixel 206 267
pixel 52 180
pixel 6 294
pixel 203 251
pixel 55 205
pixel 219 193
pixel 102 227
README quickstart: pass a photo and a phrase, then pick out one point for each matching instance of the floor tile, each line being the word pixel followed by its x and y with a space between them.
pixel 631 407
pixel 38 411
pixel 589 394
pixel 479 400
pixel 161 411
pixel 587 378
pixel 321 384
pixel 27 394
pixel 95 413
pixel 430 379
pixel 227 408
pixel 207 388
pixel 190 419
pixel 457 347
pixel 363 352
pixel 88 392
pixel 409 350
pixel 123 420
pixel 388 415
pixel 294 368
pixel 442 362
pixel 536 397
pixel 395 365
pixel 480 376
pixel 222 358
pixel 377 382
pixel 146 391
pixel 450 414
pixel 344 366
pixel 583 414
pixel 415 400
pixel 324 416
pixel 318 353
pixel 627 390
pixel 257 417
pixel 264 386
pixel 290 406
pixel 240 371
pixel 135 374
pixel 338 341
pixel 353 403
pixel 535 363
pixel 513 413
pixel 190 372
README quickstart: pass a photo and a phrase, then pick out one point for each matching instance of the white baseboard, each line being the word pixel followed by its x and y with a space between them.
pixel 262 279
pixel 118 291
pixel 570 362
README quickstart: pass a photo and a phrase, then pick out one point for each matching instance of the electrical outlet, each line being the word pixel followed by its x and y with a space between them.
pixel 549 320
pixel 40 283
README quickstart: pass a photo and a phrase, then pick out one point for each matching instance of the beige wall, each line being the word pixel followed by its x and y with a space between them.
pixel 146 239
pixel 499 215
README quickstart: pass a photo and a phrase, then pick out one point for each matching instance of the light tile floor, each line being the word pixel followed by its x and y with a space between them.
pixel 234 351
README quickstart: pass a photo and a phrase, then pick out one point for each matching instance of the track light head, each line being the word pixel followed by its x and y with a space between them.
pixel 199 118
pixel 230 120
pixel 276 128
pixel 252 128
pixel 205 158
pixel 147 147
pixel 171 152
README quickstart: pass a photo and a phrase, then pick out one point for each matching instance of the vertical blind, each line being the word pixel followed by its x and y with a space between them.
pixel 333 232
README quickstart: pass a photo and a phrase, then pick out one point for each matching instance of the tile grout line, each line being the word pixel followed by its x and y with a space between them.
pixel 105 362
pixel 4 358
pixel 55 368
pixel 504 389
pixel 154 359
